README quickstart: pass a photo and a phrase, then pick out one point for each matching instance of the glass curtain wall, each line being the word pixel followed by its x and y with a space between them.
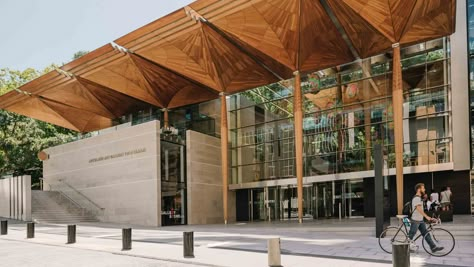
pixel 198 117
pixel 471 69
pixel 347 110
pixel 470 28
pixel 262 135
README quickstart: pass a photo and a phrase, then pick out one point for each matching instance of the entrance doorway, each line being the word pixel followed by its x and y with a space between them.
pixel 289 203
pixel 355 198
pixel 320 200
pixel 325 200
pixel 173 184
pixel 278 203
pixel 340 199
pixel 258 205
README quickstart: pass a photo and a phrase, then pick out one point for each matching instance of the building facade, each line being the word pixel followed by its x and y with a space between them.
pixel 131 174
pixel 347 110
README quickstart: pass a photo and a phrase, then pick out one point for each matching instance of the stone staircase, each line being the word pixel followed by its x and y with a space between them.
pixel 53 207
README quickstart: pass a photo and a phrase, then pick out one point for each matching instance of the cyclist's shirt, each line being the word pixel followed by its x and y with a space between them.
pixel 416 216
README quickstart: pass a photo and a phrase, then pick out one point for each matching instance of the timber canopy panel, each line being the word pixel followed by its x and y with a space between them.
pixel 220 46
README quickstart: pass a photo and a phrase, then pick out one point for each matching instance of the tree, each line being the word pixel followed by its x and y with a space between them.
pixel 12 79
pixel 21 138
pixel 79 54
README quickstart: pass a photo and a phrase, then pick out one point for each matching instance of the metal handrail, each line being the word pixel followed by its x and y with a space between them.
pixel 82 195
pixel 62 194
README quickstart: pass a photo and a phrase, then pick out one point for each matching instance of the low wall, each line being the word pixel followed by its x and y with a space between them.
pixel 15 198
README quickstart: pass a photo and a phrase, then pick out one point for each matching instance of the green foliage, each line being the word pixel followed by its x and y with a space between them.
pixel 21 138
pixel 12 79
pixel 79 54
pixel 423 58
pixel 273 97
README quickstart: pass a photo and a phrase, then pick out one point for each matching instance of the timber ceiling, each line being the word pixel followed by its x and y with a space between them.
pixel 223 46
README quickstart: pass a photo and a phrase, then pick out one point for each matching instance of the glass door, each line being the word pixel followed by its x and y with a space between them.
pixel 258 204
pixel 324 200
pixel 308 202
pixel 273 203
pixel 288 203
pixel 173 184
pixel 331 200
pixel 339 205
pixel 355 198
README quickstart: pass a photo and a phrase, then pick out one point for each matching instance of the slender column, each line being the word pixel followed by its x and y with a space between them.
pixel 165 118
pixel 339 122
pixel 397 103
pixel 367 114
pixel 224 155
pixel 298 117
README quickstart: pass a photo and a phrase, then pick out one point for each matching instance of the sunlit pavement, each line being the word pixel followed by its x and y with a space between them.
pixel 20 253
pixel 339 244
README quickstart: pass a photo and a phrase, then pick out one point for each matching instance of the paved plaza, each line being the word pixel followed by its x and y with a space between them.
pixel 20 253
pixel 344 243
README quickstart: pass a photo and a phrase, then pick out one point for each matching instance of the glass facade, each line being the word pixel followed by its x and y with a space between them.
pixel 470 28
pixel 193 117
pixel 347 109
pixel 173 184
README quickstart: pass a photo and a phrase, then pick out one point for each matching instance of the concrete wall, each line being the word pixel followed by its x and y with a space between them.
pixel 118 171
pixel 213 109
pixel 204 180
pixel 15 198
pixel 460 91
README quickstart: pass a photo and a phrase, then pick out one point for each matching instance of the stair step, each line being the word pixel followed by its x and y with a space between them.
pixel 50 212
pixel 50 207
pixel 65 222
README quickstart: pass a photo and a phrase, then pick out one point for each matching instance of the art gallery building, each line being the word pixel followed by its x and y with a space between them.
pixel 192 119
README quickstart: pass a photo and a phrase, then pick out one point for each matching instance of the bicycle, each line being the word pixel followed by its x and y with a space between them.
pixel 440 236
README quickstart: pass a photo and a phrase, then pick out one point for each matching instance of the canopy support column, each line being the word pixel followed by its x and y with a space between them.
pixel 165 118
pixel 298 117
pixel 397 103
pixel 224 155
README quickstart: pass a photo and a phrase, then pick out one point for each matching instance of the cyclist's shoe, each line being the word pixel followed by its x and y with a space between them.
pixel 413 247
pixel 436 249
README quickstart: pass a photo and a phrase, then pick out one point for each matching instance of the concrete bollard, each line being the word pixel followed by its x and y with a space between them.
pixel 4 227
pixel 401 254
pixel 71 234
pixel 188 244
pixel 274 252
pixel 30 230
pixel 126 238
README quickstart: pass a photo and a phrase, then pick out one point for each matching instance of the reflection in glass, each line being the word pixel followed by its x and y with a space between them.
pixel 347 110
pixel 173 184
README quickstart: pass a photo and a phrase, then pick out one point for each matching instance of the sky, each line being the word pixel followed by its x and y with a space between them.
pixel 36 33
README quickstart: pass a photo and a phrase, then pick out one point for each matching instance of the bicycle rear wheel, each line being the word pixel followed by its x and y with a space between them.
pixel 442 238
pixel 390 235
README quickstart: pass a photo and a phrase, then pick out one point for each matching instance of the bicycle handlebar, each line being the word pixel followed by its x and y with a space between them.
pixel 435 221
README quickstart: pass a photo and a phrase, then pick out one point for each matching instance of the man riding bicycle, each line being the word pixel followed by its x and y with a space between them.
pixel 417 220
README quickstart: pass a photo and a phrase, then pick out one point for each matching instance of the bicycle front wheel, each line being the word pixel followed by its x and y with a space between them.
pixel 390 235
pixel 442 238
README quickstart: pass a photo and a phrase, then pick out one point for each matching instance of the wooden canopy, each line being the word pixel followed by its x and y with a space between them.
pixel 223 46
